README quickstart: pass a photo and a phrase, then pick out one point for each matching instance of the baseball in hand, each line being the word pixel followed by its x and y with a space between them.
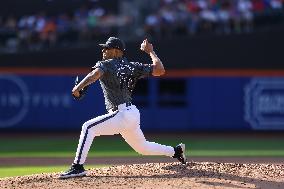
pixel 146 46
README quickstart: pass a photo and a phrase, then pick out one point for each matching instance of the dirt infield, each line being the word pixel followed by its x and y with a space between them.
pixel 162 175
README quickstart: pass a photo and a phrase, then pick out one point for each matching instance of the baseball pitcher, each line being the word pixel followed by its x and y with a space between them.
pixel 118 77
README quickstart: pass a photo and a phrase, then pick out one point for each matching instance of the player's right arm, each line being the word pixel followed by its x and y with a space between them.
pixel 158 67
pixel 93 76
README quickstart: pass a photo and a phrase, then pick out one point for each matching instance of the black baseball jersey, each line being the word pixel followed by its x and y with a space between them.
pixel 119 79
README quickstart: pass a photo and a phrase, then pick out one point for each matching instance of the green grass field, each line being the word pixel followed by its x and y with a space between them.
pixel 29 170
pixel 116 147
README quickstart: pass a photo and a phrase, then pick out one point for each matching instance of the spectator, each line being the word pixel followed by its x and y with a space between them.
pixel 210 16
pixel 224 18
pixel 152 25
pixel 48 34
pixel 39 30
pixel 276 4
pixel 81 23
pixel 246 16
pixel 164 18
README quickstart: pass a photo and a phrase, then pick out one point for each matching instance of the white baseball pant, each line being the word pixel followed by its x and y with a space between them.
pixel 124 121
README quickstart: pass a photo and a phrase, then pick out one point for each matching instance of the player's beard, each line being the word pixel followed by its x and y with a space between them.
pixel 107 55
pixel 112 54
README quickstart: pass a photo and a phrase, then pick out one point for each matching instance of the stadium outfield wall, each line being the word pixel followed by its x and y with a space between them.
pixel 201 101
pixel 220 83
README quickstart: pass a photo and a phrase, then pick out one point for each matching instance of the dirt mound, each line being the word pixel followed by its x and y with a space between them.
pixel 162 175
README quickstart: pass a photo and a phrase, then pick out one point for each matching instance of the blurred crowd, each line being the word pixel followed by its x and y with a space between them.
pixel 178 17
pixel 161 18
pixel 40 30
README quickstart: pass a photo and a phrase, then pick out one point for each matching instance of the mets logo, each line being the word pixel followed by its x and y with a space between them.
pixel 14 100
pixel 125 74
pixel 264 103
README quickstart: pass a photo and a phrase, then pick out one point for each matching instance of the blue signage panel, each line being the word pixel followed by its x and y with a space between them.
pixel 207 104
pixel 45 103
pixel 264 103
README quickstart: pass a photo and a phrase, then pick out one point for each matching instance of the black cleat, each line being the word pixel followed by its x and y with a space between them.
pixel 76 170
pixel 180 153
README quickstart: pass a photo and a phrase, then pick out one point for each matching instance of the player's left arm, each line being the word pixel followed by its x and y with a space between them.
pixel 158 67
pixel 93 76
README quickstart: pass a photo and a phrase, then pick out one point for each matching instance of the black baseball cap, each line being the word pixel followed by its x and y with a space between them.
pixel 114 42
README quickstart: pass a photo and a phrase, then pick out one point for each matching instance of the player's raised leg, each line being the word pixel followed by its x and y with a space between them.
pixel 135 138
pixel 137 141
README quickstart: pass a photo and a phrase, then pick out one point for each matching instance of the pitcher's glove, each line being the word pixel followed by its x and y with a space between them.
pixel 82 92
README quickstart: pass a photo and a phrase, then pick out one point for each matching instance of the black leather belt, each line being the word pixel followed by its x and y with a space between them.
pixel 116 107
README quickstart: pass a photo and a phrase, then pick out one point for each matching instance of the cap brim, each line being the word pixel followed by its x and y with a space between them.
pixel 107 46
pixel 103 45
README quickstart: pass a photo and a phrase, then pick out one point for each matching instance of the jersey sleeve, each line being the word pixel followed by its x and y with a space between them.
pixel 101 66
pixel 143 70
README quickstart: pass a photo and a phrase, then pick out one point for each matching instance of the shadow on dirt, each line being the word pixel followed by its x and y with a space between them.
pixel 182 171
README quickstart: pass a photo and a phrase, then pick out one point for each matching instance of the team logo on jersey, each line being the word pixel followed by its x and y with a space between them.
pixel 125 73
pixel 264 103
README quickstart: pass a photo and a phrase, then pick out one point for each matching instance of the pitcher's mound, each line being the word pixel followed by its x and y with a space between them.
pixel 162 175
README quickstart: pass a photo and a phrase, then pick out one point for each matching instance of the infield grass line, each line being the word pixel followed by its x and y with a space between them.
pixel 117 147
pixel 29 170
pixel 190 152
